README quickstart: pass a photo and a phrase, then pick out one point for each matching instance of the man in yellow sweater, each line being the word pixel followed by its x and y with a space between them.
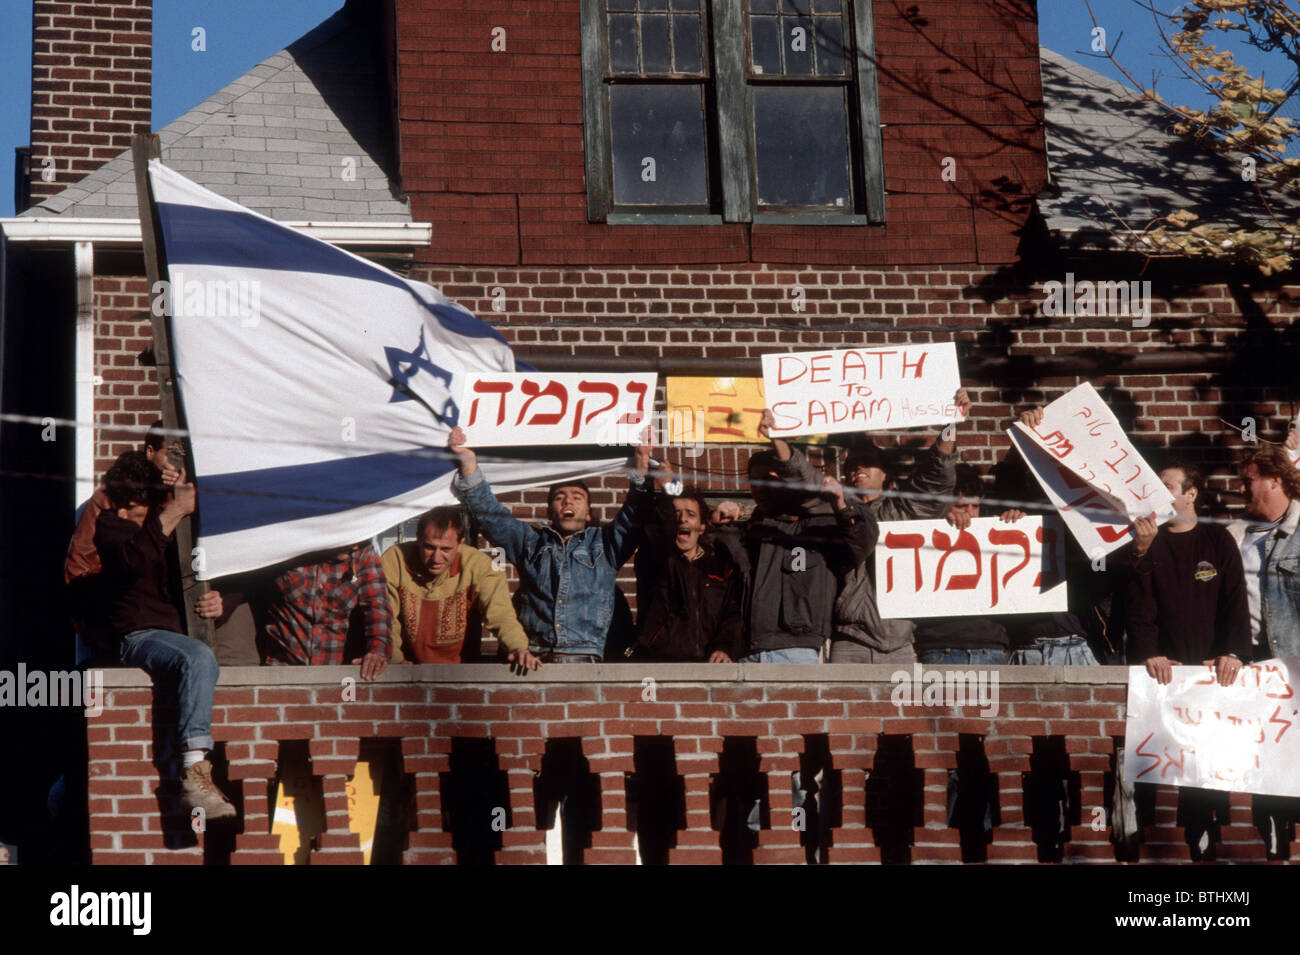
pixel 441 590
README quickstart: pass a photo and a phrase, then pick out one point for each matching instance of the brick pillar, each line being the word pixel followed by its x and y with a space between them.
pixel 697 763
pixel 780 842
pixel 613 843
pixel 424 758
pixel 252 766
pixel 1009 759
pixel 521 759
pixel 91 67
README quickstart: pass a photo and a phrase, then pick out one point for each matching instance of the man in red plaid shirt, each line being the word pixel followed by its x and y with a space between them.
pixel 310 608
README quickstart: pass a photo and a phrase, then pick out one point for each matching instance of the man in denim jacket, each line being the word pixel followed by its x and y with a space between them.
pixel 566 569
pixel 1270 557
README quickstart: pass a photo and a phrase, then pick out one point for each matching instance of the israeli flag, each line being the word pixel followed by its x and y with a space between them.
pixel 319 388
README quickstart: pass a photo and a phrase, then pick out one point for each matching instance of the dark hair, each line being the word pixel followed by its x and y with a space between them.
pixel 132 480
pixel 693 493
pixel 1271 461
pixel 765 459
pixel 442 519
pixel 155 439
pixel 968 483
pixel 1192 476
pixel 560 485
pixel 867 456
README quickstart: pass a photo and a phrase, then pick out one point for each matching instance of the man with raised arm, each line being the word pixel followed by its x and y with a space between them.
pixel 567 567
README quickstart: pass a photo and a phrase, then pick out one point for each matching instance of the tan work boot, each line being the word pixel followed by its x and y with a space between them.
pixel 198 791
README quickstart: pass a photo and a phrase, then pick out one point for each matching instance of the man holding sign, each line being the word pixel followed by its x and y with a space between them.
pixel 566 568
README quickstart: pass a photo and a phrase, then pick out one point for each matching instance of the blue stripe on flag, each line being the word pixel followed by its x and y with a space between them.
pixel 247 499
pixel 195 235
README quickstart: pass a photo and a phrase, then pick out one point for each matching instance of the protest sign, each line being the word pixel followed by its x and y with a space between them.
pixel 930 569
pixel 1193 732
pixel 1083 459
pixel 539 408
pixel 718 411
pixel 862 389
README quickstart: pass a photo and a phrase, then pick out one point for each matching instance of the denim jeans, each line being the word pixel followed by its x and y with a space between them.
pixel 984 657
pixel 1055 652
pixel 186 667
pixel 850 651
pixel 788 655
pixel 572 658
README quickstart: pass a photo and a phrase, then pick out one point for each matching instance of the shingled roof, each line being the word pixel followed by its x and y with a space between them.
pixel 1113 164
pixel 276 140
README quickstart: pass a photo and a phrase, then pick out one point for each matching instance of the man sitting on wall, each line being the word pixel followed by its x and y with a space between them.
pixel 133 537
pixel 441 590
pixel 567 568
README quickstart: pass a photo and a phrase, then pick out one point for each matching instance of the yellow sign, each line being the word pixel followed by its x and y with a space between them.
pixel 300 814
pixel 718 411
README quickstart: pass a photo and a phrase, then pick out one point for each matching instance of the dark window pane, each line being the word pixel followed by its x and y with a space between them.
pixel 830 46
pixel 799 41
pixel 764 6
pixel 654 4
pixel 688 5
pixel 658 145
pixel 621 5
pixel 656 55
pixel 795 6
pixel 686 44
pixel 801 141
pixel 766 44
pixel 622 44
pixel 826 6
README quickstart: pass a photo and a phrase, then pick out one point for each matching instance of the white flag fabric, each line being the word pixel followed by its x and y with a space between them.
pixel 319 388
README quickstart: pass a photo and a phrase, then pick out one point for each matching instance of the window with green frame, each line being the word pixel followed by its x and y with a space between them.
pixel 731 110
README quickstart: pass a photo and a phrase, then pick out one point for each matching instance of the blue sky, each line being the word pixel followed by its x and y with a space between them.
pixel 241 33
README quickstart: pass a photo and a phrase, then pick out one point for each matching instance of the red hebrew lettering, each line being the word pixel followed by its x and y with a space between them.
pixel 1171 763
pixel 1275 676
pixel 1137 470
pixel 1113 532
pixel 1143 494
pixel 723 409
pixel 553 390
pixel 1085 413
pixel 918 364
pixel 997 538
pixel 904 541
pixel 1047 537
pixel 1118 460
pixel 1059 444
pixel 1285 724
pixel 1208 681
pixel 595 388
pixel 498 388
pixel 638 388
pixel 1151 756
pixel 733 393
pixel 965 542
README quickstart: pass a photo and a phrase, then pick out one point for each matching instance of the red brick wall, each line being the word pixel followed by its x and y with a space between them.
pixel 699 707
pixel 739 312
pixel 91 85
pixel 492 143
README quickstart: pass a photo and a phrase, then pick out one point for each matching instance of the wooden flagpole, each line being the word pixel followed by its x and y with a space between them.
pixel 144 148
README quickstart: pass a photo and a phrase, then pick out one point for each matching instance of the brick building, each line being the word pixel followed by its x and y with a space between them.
pixel 496 153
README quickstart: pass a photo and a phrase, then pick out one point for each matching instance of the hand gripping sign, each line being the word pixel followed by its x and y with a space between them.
pixel 541 408
pixel 931 569
pixel 1192 732
pixel 862 389
pixel 1083 459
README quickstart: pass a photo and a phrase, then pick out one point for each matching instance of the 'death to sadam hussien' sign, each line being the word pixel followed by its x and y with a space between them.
pixel 931 569
pixel 1193 732
pixel 537 408
pixel 862 389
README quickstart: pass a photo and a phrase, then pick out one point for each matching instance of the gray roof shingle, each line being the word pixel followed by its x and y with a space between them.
pixel 275 140
pixel 1113 164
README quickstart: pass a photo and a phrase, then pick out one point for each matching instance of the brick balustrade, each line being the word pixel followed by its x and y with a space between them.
pixel 651 765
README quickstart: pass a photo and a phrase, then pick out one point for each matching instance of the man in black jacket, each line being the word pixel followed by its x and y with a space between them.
pixel 688 591
pixel 134 539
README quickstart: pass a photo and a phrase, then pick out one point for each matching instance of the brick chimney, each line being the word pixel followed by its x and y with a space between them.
pixel 91 74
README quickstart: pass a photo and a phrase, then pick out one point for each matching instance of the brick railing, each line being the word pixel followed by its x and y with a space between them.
pixel 667 761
